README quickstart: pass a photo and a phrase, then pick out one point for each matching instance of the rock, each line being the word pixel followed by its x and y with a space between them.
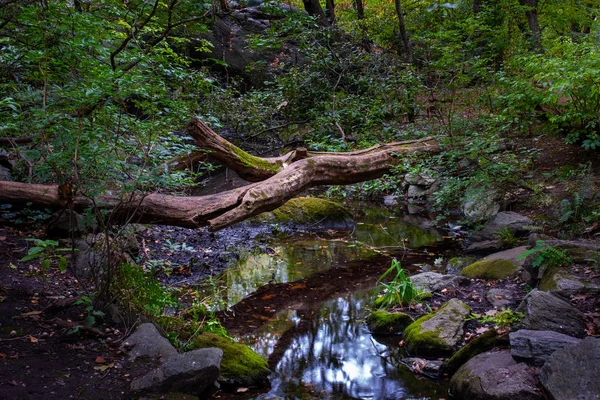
pixel 455 265
pixel 438 332
pixel 561 282
pixel 240 365
pixel 147 342
pixel 480 203
pixel 430 368
pixel 571 373
pixel 503 220
pixel 579 250
pixel 315 212
pixel 65 223
pixel 547 312
pixel 5 174
pixel 192 372
pixel 434 282
pixel 384 322
pixel 417 192
pixel 537 346
pixel 501 297
pixel 419 179
pixel 495 376
pixel 490 269
pixel 485 246
pixel 485 342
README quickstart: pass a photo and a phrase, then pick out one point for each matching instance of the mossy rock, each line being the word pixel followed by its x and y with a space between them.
pixel 490 269
pixel 309 210
pixel 240 365
pixel 457 264
pixel 437 333
pixel 487 341
pixel 384 322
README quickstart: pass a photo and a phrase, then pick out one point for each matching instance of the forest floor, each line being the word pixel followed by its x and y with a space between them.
pixel 46 353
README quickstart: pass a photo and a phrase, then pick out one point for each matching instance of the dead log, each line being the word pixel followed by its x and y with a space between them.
pixel 279 179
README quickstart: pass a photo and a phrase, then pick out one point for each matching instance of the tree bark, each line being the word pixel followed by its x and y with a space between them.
pixel 531 13
pixel 314 9
pixel 292 174
pixel 360 9
pixel 330 13
pixel 407 47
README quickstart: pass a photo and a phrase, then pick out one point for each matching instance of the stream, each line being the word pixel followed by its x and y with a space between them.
pixel 300 302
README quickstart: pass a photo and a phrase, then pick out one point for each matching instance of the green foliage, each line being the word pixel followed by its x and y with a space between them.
pixel 87 301
pixel 400 291
pixel 507 237
pixel 46 251
pixel 504 318
pixel 546 255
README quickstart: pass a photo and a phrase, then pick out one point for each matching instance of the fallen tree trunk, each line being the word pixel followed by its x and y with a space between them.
pixel 280 179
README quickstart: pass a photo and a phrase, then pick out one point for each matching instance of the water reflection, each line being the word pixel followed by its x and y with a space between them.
pixel 334 356
pixel 293 259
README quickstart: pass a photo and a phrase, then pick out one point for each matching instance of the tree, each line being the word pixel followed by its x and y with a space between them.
pixel 531 13
pixel 279 179
pixel 406 45
pixel 314 9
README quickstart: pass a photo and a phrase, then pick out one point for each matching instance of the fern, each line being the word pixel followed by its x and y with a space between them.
pixel 549 255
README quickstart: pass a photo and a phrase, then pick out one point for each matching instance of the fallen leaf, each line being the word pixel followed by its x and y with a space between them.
pixel 298 286
pixel 30 314
pixel 242 390
pixel 33 340
pixel 103 368
pixel 100 360
pixel 12 266
pixel 268 297
pixel 2 237
pixel 443 290
pixel 499 297
pixel 480 330
pixel 2 355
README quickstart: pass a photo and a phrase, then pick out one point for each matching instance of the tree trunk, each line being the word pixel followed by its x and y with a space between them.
pixel 330 13
pixel 407 47
pixel 314 9
pixel 360 9
pixel 284 177
pixel 531 13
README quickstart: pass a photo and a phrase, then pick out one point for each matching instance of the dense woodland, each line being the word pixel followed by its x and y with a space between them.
pixel 122 110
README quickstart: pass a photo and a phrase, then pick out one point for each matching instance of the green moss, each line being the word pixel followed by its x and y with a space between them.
pixel 307 210
pixel 423 342
pixel 458 263
pixel 481 344
pixel 240 365
pixel 490 269
pixel 384 322
pixel 251 161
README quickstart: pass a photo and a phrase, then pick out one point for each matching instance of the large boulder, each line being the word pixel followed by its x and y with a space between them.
pixel 547 312
pixel 438 333
pixel 517 223
pixel 240 366
pixel 495 376
pixel 537 346
pixel 563 283
pixel 485 342
pixel 480 203
pixel 572 372
pixel 388 323
pixel 434 282
pixel 193 372
pixel 490 269
pixel 147 342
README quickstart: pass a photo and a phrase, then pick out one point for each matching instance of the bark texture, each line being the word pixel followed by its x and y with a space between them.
pixel 277 180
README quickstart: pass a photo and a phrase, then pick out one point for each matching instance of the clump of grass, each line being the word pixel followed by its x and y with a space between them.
pixel 400 291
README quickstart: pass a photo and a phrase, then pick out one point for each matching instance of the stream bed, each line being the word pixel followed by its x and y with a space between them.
pixel 301 301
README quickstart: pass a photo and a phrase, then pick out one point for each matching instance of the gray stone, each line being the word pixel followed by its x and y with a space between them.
pixel 547 312
pixel 419 180
pixel 65 223
pixel 538 346
pixel 5 174
pixel 148 342
pixel 495 376
pixel 417 192
pixel 579 250
pixel 192 372
pixel 503 220
pixel 440 332
pixel 434 282
pixel 572 372
pixel 456 264
pixel 501 297
pixel 485 246
pixel 480 204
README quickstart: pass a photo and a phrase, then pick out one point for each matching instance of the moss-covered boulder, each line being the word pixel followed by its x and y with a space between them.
pixel 240 365
pixel 437 333
pixel 490 269
pixel 386 323
pixel 457 264
pixel 485 342
pixel 310 211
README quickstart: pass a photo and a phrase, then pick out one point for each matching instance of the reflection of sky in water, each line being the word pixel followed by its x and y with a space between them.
pixel 334 357
pixel 292 260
